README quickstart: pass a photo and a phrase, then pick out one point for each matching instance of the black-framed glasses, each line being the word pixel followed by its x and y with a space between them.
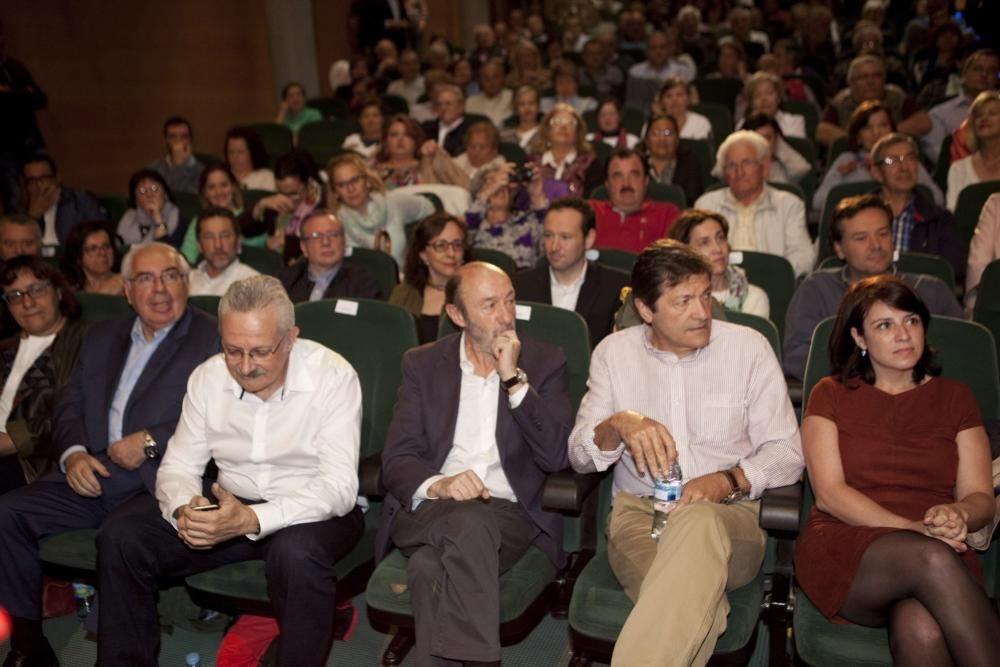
pixel 235 355
pixel 95 248
pixel 15 296
pixel 440 246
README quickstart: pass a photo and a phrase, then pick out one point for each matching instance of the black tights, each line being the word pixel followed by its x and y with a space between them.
pixel 936 611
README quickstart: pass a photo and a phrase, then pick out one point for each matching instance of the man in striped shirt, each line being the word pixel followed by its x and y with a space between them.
pixel 711 396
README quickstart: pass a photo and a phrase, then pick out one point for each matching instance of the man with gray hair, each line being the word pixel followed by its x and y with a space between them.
pixel 19 235
pixel 281 417
pixel 761 217
pixel 450 126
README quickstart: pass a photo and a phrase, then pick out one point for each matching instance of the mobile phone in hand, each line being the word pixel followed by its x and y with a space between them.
pixel 206 508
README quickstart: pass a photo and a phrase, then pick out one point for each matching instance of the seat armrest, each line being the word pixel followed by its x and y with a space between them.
pixel 566 491
pixel 780 508
pixel 370 476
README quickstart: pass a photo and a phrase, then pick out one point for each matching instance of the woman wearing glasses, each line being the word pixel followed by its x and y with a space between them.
pixel 152 214
pixel 35 364
pixel 90 261
pixel 670 161
pixel 564 156
pixel 506 213
pixel 440 245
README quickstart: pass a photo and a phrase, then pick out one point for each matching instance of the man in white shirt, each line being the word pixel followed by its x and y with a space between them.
pixel 492 100
pixel 281 417
pixel 410 85
pixel 471 440
pixel 449 128
pixel 709 395
pixel 218 236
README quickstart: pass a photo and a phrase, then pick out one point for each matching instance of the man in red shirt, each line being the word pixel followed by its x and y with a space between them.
pixel 630 220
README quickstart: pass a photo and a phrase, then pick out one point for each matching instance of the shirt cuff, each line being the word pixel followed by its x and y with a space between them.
pixel 518 396
pixel 420 494
pixel 268 518
pixel 72 449
pixel 602 459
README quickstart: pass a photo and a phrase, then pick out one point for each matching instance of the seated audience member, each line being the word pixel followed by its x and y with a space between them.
pixel 293 112
pixel 111 427
pixel 152 214
pixel 217 187
pixel 632 30
pixel 19 235
pixel 983 139
pixel 525 120
pixel 36 365
pixel 597 71
pixel 708 234
pixel 565 157
pixel 527 68
pixel 985 248
pixel 573 37
pixel 755 43
pixel 286 491
pixel 732 62
pixel 696 38
pixel 935 65
pixel 918 224
pixel 609 126
pixel 275 220
pixel 670 161
pixel 662 62
pixel 372 217
pixel 492 100
pixel 56 207
pixel 787 164
pixel 866 81
pixel 451 404
pixel 764 94
pixel 761 217
pixel 370 121
pixel 629 219
pixel 90 260
pixel 218 234
pixel 439 247
pixel 482 151
pixel 179 168
pixel 979 74
pixel 463 76
pixel 673 100
pixel 407 157
pixel 410 84
pixel 653 384
pixel 506 215
pixel 321 272
pixel 861 232
pixel 569 280
pixel 885 544
pixel 247 159
pixel 450 126
pixel 566 88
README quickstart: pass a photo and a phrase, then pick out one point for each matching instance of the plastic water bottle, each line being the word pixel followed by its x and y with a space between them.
pixel 84 594
pixel 192 660
pixel 666 494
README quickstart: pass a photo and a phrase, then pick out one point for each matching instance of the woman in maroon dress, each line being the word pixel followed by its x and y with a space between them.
pixel 900 466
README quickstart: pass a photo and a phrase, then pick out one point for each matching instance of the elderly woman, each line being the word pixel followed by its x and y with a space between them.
pixel 565 80
pixel 372 218
pixel 670 162
pixel 787 165
pixel 899 463
pixel 567 161
pixel 217 186
pixel 506 214
pixel 366 142
pixel 673 100
pixel 407 157
pixel 152 214
pixel 609 126
pixel 763 94
pixel 89 260
pixel 984 142
pixel 247 159
pixel 482 150
pixel 526 117
pixel 440 245
pixel 708 233
pixel 526 67
pixel 35 365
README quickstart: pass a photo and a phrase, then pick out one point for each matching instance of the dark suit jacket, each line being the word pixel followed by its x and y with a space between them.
pixel 351 282
pixel 532 438
pixel 75 207
pixel 598 300
pixel 81 417
pixel 453 142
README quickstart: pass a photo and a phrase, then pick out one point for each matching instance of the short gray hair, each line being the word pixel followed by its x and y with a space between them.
pixel 129 259
pixel 24 221
pixel 759 143
pixel 866 59
pixel 891 139
pixel 259 293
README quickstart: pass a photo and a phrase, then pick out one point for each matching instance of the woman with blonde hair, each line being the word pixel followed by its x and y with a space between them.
pixel 983 164
pixel 524 106
pixel 563 155
pixel 763 94
pixel 526 67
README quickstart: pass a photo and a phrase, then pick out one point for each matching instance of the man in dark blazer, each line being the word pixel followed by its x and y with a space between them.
pixel 322 272
pixel 56 207
pixel 471 441
pixel 570 281
pixel 451 123
pixel 111 429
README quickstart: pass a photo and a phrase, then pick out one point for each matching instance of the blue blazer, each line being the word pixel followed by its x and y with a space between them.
pixel 74 207
pixel 81 417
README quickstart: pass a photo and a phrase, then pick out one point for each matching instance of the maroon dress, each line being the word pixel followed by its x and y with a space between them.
pixel 900 451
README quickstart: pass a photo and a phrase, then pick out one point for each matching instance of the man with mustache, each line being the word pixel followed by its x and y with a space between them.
pixel 630 220
pixel 482 417
pixel 218 236
pixel 861 233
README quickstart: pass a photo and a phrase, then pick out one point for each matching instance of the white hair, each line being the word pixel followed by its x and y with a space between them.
pixel 759 143
pixel 259 293
pixel 129 260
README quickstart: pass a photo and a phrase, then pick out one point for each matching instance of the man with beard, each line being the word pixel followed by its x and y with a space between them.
pixel 482 417
pixel 218 236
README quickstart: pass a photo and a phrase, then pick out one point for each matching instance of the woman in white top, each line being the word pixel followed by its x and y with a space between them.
pixel 674 99
pixel 787 164
pixel 526 117
pixel 984 142
pixel 763 94
pixel 366 142
pixel 707 232
pixel 247 159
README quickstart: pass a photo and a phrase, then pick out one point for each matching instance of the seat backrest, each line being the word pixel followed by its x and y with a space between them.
pixel 926 263
pixel 789 187
pixel 657 192
pixel 618 259
pixel 323 139
pixel 970 203
pixel 703 154
pixel 331 106
pixel 837 193
pixel 943 164
pixel 189 204
pixel 496 258
pixel 263 260
pixel 719 115
pixel 513 153
pixel 379 264
pixel 394 104
pixel 100 307
pixel 839 145
pixel 372 336
pixel 208 303
pixel 115 206
pixel 773 274
pixel 633 121
pixel 759 324
pixel 277 139
pixel 987 311
pixel 251 197
pixel 723 90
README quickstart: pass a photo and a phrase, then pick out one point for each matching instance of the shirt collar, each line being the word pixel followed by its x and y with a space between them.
pixel 139 337
pixel 550 160
pixel 324 277
pixel 577 282
pixel 296 380
pixel 453 125
pixel 671 357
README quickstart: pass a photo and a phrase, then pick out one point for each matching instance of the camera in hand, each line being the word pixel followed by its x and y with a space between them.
pixel 521 175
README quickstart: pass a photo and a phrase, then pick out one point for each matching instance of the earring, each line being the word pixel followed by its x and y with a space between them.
pixel 864 352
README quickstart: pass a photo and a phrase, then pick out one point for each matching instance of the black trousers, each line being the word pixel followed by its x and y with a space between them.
pixel 139 547
pixel 457 551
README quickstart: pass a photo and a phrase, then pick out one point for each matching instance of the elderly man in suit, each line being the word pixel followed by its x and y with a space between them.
pixel 111 426
pixel 482 417
pixel 570 281
pixel 451 124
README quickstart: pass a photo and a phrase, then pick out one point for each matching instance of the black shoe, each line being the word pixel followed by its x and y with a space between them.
pixel 43 657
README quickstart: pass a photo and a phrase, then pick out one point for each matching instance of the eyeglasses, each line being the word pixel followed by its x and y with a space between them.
pixel 744 165
pixel 661 133
pixel 562 121
pixel 319 236
pixel 235 355
pixel 94 249
pixel 348 183
pixel 15 296
pixel 441 246
pixel 902 158
pixel 148 189
pixel 44 178
pixel 147 279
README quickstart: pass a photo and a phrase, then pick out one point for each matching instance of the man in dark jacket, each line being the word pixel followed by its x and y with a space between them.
pixel 56 207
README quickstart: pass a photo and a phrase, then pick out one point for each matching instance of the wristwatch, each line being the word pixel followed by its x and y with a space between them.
pixel 149 448
pixel 519 377
pixel 735 492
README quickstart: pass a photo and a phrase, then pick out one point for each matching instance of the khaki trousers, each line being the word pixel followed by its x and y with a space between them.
pixel 678 584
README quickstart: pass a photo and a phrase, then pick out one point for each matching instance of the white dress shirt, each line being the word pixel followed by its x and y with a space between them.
pixel 201 283
pixel 566 296
pixel 297 451
pixel 49 236
pixel 445 130
pixel 28 351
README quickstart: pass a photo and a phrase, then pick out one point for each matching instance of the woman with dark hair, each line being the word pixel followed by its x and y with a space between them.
pixel 217 187
pixel 787 165
pixel 246 157
pixel 407 157
pixel 35 365
pixel 365 142
pixel 440 245
pixel 609 126
pixel 899 463
pixel 670 161
pixel 279 216
pixel 152 214
pixel 525 117
pixel 90 261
